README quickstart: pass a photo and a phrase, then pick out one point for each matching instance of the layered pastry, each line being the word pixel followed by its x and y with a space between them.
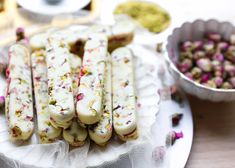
pixel 19 101
pixel 101 132
pixel 89 103
pixel 60 91
pixel 123 90
pixel 46 132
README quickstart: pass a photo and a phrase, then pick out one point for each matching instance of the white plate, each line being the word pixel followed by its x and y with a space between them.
pixel 43 8
pixel 57 154
pixel 111 156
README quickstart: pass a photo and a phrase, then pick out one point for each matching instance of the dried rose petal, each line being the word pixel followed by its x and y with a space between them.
pixel 7 72
pixel 80 96
pixel 2 101
pixel 158 153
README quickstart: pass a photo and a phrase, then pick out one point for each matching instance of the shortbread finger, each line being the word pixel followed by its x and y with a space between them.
pixel 124 101
pixel 101 132
pixel 19 103
pixel 47 133
pixel 89 104
pixel 61 103
pixel 75 135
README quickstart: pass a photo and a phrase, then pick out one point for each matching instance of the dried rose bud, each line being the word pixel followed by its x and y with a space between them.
pixel 226 85
pixel 186 46
pixel 218 81
pixel 232 39
pixel 218 73
pixel 214 37
pixel 210 83
pixel 185 65
pixel 158 153
pixel 218 57
pixel 2 101
pixel 205 77
pixel 197 45
pixel 215 64
pixel 199 54
pixel 189 75
pixel 226 62
pixel 230 54
pixel 172 136
pixel 209 47
pixel 230 69
pixel 204 64
pixel 196 72
pixel 186 54
pixel 175 119
pixel 222 46
pixel 232 81
pixel 176 95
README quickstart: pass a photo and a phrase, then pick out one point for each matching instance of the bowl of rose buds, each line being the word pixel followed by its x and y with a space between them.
pixel 201 58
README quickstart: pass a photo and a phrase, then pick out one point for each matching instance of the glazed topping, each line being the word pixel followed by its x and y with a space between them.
pixel 47 133
pixel 19 105
pixel 124 101
pixel 61 103
pixel 89 108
